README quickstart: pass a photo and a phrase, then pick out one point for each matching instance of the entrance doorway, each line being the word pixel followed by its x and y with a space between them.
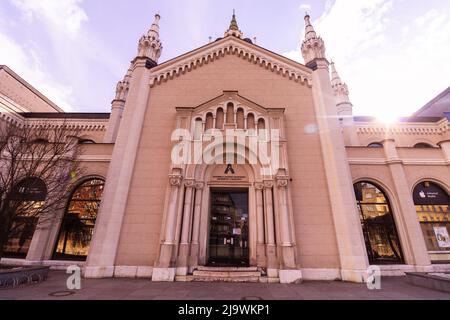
pixel 229 231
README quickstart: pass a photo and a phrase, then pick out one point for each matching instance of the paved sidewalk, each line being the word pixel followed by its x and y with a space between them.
pixel 130 289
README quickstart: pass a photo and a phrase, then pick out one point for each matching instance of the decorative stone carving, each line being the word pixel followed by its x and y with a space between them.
pixel 189 183
pixel 259 186
pixel 282 181
pixel 268 184
pixel 199 186
pixel 175 180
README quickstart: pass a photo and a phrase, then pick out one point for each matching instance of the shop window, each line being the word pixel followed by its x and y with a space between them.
pixel 433 208
pixel 28 198
pixel 380 233
pixel 78 224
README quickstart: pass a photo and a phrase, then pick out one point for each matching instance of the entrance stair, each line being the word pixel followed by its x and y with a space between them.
pixel 227 274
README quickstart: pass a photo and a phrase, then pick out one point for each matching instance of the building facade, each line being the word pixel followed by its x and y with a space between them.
pixel 234 156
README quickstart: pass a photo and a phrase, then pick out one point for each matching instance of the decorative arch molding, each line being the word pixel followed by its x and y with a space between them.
pixel 230 47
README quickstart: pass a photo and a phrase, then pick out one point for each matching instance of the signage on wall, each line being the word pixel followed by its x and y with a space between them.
pixel 229 173
pixel 442 237
pixel 430 194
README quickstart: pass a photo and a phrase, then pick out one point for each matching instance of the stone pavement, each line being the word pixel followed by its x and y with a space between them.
pixel 131 289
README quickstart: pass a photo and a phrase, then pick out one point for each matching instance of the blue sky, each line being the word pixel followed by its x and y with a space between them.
pixel 393 54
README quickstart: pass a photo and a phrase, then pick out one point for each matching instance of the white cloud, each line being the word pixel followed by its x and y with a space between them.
pixel 391 67
pixel 26 63
pixel 66 14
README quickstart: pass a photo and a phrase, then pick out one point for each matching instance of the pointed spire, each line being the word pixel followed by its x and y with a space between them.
pixel 310 33
pixel 233 30
pixel 341 93
pixel 313 47
pixel 154 29
pixel 234 25
pixel 335 78
pixel 150 45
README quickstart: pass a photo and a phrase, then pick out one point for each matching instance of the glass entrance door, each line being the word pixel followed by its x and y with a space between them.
pixel 228 241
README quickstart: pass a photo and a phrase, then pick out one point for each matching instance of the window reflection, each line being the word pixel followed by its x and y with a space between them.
pixel 27 199
pixel 78 224
pixel 380 233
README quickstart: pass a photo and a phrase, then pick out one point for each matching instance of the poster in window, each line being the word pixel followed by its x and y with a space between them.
pixel 442 237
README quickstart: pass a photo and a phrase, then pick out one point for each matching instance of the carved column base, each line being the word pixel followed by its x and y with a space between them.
pixel 165 256
pixel 288 257
pixel 261 259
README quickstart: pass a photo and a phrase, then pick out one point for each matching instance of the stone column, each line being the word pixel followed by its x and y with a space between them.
pixel 445 146
pixel 102 257
pixel 195 243
pixel 183 254
pixel 44 241
pixel 288 253
pixel 271 247
pixel 114 121
pixel 164 271
pixel 350 240
pixel 260 245
pixel 408 225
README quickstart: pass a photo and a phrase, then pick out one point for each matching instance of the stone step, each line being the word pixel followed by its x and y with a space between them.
pixel 227 279
pixel 228 269
pixel 227 274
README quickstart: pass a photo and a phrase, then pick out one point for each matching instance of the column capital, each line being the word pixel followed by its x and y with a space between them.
pixel 259 186
pixel 282 181
pixel 189 183
pixel 199 185
pixel 175 180
pixel 268 184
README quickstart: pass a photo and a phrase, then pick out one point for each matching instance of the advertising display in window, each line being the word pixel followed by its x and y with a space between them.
pixel 433 209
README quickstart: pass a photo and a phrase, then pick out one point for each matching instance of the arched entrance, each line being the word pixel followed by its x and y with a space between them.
pixel 380 233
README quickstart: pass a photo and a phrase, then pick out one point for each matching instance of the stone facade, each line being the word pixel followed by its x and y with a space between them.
pixel 304 223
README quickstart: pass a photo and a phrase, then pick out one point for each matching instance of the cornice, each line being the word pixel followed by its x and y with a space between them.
pixel 410 128
pixel 18 120
pixel 229 47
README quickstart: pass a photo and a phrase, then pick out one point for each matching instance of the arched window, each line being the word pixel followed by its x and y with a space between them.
pixel 380 233
pixel 433 208
pixel 79 220
pixel 262 134
pixel 240 119
pixel 375 145
pixel 198 129
pixel 251 121
pixel 209 122
pixel 230 113
pixel 423 146
pixel 86 141
pixel 220 119
pixel 28 197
